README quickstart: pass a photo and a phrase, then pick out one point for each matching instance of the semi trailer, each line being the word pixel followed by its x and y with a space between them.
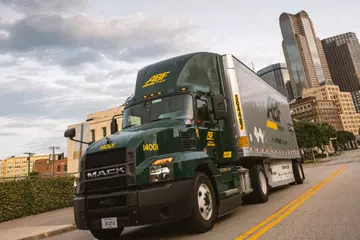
pixel 201 134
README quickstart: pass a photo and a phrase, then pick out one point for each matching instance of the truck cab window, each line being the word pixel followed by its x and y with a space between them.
pixel 173 107
pixel 203 117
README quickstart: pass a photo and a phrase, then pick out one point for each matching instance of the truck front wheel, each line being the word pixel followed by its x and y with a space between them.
pixel 107 234
pixel 204 211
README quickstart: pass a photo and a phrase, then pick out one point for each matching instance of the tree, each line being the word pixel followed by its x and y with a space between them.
pixel 308 134
pixel 327 132
pixel 344 137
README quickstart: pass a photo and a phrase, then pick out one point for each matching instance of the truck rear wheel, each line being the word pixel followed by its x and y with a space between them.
pixel 107 234
pixel 204 211
pixel 259 184
pixel 298 172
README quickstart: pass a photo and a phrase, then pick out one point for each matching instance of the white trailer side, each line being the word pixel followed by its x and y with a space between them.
pixel 264 126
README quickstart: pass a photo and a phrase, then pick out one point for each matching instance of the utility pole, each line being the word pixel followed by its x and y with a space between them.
pixel 30 154
pixel 53 158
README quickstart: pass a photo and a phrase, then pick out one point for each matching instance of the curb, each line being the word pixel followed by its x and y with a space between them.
pixel 50 233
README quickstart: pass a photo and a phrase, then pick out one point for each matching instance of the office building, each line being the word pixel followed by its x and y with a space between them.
pixel 356 100
pixel 277 75
pixel 320 111
pixel 343 56
pixel 19 166
pixel 2 168
pixel 303 52
pixel 96 126
pixel 350 119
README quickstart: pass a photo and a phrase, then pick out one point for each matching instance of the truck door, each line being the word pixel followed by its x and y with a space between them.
pixel 208 135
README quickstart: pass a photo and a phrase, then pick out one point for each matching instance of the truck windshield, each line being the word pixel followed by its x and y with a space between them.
pixel 180 107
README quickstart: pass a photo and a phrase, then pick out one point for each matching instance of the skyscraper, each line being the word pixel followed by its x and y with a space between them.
pixel 277 75
pixel 343 56
pixel 303 52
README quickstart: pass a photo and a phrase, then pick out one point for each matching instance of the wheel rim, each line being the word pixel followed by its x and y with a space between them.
pixel 205 201
pixel 300 172
pixel 263 183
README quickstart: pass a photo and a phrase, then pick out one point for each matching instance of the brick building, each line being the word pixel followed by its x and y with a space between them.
pixel 319 111
pixel 45 167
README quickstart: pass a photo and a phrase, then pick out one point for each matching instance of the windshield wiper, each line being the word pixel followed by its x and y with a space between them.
pixel 131 125
pixel 159 119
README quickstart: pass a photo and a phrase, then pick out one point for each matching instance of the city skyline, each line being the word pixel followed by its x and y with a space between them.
pixel 52 82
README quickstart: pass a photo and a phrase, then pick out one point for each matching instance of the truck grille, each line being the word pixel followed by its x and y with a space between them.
pixel 116 158
pixel 104 159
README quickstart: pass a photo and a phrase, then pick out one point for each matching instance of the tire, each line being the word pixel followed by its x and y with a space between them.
pixel 203 196
pixel 298 172
pixel 107 234
pixel 259 184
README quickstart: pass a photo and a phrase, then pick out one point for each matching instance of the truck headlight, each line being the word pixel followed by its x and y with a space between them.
pixel 160 170
pixel 77 185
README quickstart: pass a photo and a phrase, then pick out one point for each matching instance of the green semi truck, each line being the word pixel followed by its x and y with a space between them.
pixel 201 134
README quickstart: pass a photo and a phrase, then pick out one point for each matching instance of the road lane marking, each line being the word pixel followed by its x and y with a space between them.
pixel 279 215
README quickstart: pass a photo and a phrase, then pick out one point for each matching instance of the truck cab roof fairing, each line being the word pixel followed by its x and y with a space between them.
pixel 182 71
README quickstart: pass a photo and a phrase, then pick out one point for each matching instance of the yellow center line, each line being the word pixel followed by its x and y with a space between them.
pixel 286 210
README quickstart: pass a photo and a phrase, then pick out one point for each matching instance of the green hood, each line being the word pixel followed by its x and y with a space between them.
pixel 163 133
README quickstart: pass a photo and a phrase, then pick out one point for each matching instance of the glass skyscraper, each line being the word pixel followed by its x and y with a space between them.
pixel 303 52
pixel 277 75
pixel 343 56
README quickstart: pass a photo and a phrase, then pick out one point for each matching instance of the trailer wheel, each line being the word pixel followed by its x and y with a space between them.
pixel 205 209
pixel 298 172
pixel 107 234
pixel 259 184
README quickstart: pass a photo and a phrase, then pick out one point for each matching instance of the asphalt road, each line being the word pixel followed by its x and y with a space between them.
pixel 329 209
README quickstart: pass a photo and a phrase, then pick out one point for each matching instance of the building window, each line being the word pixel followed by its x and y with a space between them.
pixel 93 135
pixel 65 168
pixel 104 131
pixel 59 168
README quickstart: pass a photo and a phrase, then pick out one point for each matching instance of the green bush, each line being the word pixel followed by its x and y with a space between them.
pixel 35 195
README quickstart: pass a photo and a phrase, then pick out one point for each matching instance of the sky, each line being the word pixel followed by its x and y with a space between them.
pixel 63 59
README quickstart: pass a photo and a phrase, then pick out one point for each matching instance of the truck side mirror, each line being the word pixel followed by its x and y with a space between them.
pixel 114 126
pixel 70 133
pixel 219 107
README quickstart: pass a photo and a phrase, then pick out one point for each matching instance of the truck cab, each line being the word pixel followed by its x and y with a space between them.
pixel 176 157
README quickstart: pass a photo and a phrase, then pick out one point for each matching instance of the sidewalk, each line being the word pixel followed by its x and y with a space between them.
pixel 38 226
pixel 342 156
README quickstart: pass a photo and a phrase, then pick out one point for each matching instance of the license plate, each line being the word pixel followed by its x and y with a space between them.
pixel 109 223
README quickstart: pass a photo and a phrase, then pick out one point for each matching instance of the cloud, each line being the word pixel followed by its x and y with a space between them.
pixel 31 133
pixel 78 39
pixel 59 67
pixel 41 6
